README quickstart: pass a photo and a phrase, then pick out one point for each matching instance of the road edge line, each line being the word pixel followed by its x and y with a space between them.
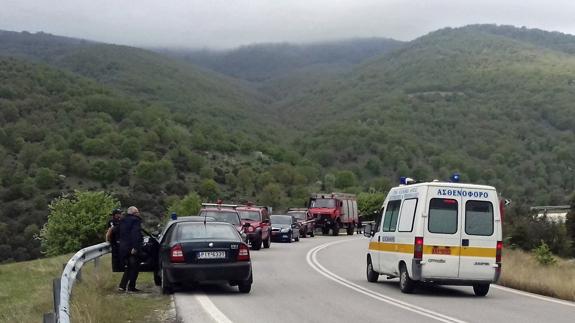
pixel 533 295
pixel 212 309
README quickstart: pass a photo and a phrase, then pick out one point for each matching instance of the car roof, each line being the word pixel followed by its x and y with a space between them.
pixel 215 209
pixel 282 215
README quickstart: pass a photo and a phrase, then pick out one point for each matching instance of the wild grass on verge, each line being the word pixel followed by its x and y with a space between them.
pixel 26 294
pixel 522 271
pixel 96 299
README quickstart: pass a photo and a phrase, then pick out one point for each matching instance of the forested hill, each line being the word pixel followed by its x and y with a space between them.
pixel 262 62
pixel 495 108
pixel 146 75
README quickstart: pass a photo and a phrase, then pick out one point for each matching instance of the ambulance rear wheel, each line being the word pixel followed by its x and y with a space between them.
pixel 372 276
pixel 406 285
pixel 481 289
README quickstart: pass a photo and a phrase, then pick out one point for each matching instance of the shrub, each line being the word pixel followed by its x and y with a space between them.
pixel 543 254
pixel 189 205
pixel 76 221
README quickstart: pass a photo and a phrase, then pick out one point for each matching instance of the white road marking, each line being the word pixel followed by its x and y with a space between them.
pixel 539 297
pixel 312 261
pixel 211 309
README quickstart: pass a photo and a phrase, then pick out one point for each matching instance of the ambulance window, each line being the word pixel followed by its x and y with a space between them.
pixel 442 216
pixel 391 214
pixel 378 220
pixel 479 218
pixel 407 215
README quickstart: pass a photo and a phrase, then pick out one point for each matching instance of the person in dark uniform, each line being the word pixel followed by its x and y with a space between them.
pixel 130 248
pixel 113 237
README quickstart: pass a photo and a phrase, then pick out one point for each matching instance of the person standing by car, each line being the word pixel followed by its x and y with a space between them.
pixel 130 248
pixel 113 237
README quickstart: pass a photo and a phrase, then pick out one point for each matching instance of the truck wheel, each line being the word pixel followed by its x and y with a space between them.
pixel 372 275
pixel 481 289
pixel 257 243
pixel 312 234
pixel 324 231
pixel 406 285
pixel 350 229
pixel 268 241
pixel 335 229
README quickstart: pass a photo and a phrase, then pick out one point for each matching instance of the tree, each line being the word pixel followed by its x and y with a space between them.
pixel 76 221
pixel 209 190
pixel 188 205
pixel 369 203
pixel 345 179
pixel 45 178
pixel 271 195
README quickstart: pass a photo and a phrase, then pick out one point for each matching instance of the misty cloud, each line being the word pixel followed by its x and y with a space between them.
pixel 229 23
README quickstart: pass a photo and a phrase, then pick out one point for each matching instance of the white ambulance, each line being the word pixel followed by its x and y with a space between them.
pixel 437 232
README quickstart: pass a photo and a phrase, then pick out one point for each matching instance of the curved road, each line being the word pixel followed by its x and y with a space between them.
pixel 322 279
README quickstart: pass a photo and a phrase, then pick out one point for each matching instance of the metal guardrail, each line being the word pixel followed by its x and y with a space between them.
pixel 62 287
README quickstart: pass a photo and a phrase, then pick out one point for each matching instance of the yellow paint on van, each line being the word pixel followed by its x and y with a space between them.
pixel 429 250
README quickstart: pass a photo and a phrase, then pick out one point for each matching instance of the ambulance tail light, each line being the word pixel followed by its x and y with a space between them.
pixel 418 248
pixel 177 254
pixel 498 252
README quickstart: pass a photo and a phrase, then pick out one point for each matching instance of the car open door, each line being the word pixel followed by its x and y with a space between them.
pixel 150 252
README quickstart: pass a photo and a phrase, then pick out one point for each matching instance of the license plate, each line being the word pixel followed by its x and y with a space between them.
pixel 211 255
pixel 441 250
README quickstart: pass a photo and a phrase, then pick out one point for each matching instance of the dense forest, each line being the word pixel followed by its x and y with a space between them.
pixel 273 122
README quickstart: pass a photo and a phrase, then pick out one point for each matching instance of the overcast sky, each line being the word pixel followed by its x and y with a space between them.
pixel 229 23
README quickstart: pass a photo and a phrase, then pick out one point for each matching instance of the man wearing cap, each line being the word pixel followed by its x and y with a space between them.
pixel 130 248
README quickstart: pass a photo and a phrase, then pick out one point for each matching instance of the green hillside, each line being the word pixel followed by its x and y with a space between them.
pixel 60 132
pixel 497 109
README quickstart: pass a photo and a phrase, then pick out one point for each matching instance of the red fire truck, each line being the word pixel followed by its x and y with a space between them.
pixel 334 211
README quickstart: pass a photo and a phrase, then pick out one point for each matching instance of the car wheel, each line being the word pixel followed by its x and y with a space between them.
pixel 290 237
pixel 406 285
pixel 481 289
pixel 312 234
pixel 166 287
pixel 372 275
pixel 297 239
pixel 335 229
pixel 257 243
pixel 268 241
pixel 245 286
pixel 157 278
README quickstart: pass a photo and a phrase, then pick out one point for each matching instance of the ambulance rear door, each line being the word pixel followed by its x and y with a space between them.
pixel 442 233
pixel 480 229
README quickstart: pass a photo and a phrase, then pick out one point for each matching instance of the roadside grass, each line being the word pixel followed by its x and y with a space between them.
pixel 522 271
pixel 26 294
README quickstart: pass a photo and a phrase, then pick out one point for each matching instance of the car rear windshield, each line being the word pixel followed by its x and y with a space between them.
pixel 229 217
pixel 298 215
pixel 479 218
pixel 327 203
pixel 443 216
pixel 200 231
pixel 280 219
pixel 250 215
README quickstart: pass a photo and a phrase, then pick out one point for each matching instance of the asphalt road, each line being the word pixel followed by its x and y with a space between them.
pixel 322 279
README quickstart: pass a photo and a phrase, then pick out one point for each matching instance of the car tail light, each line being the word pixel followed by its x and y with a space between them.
pixel 177 254
pixel 418 248
pixel 243 253
pixel 250 229
pixel 498 252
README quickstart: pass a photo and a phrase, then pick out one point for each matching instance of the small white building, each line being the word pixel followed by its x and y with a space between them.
pixel 553 213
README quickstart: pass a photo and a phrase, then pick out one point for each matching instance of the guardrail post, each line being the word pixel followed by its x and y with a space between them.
pixel 49 318
pixel 56 287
